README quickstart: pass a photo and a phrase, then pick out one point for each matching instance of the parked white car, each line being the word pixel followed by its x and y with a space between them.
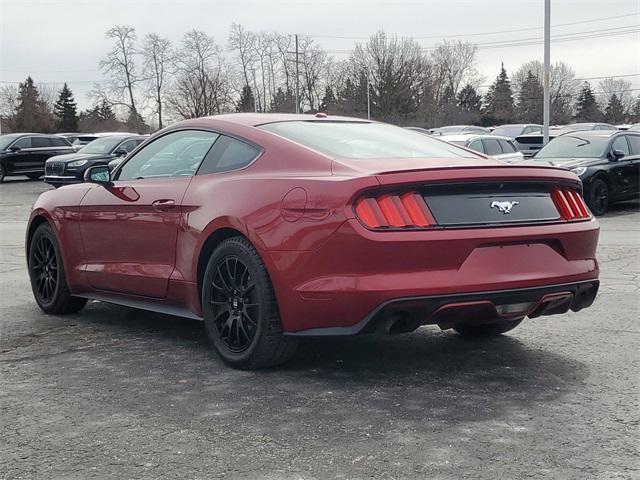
pixel 501 148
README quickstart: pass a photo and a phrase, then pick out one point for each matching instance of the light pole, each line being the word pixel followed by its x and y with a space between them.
pixel 368 98
pixel 547 61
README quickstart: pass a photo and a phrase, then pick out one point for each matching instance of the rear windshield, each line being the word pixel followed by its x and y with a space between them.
pixel 574 146
pixel 360 140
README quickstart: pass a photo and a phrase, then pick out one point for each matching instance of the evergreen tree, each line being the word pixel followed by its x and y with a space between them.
pixel 32 113
pixel 65 111
pixel 448 106
pixel 328 104
pixel 283 102
pixel 352 97
pixel 499 106
pixel 615 111
pixel 530 101
pixel 470 104
pixel 135 123
pixel 587 108
pixel 247 101
pixel 104 112
pixel 635 111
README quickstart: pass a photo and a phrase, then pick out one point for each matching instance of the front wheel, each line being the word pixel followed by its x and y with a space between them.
pixel 46 272
pixel 240 310
pixel 2 172
pixel 487 329
pixel 598 197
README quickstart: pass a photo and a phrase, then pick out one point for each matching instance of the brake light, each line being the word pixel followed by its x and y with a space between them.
pixel 390 210
pixel 570 204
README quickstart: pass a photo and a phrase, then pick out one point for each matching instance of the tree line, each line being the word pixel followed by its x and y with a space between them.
pixel 150 82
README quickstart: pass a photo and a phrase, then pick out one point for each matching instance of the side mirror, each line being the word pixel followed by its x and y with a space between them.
pixel 617 155
pixel 120 152
pixel 99 174
pixel 15 148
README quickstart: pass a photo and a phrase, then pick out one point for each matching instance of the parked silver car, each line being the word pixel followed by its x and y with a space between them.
pixel 514 130
pixel 501 148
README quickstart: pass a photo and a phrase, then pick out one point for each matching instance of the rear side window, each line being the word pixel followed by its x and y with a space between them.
pixel 620 143
pixel 507 147
pixel 634 140
pixel 491 146
pixel 59 142
pixel 40 142
pixel 228 154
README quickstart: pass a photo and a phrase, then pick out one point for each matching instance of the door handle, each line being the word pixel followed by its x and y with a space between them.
pixel 163 205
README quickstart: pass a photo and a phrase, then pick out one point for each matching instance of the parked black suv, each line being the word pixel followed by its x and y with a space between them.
pixel 66 169
pixel 26 153
pixel 607 162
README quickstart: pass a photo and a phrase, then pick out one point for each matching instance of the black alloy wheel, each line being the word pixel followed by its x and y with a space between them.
pixel 598 200
pixel 241 315
pixel 234 304
pixel 46 271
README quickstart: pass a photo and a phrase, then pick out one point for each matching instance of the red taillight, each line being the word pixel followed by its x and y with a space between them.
pixel 390 210
pixel 570 204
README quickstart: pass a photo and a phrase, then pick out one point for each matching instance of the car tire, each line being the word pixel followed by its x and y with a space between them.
pixel 487 329
pixel 598 196
pixel 33 176
pixel 2 172
pixel 47 275
pixel 240 310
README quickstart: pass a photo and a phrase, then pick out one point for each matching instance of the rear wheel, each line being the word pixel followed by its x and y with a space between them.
pixel 240 310
pixel 487 329
pixel 46 271
pixel 598 196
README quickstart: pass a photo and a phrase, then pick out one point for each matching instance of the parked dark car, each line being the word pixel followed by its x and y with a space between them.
pixel 26 153
pixel 530 143
pixel 70 168
pixel 607 162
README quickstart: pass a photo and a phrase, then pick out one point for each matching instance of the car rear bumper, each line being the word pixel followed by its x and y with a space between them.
pixel 360 275
pixel 447 311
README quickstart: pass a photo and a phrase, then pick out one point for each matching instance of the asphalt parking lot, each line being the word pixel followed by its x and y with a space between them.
pixel 113 392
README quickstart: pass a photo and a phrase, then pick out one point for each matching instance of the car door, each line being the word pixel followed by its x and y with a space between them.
pixel 20 155
pixel 622 170
pixel 634 163
pixel 129 229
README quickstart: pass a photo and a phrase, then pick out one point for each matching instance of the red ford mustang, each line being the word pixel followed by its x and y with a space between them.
pixel 273 227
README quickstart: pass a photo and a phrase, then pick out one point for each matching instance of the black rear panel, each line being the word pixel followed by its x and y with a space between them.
pixel 475 204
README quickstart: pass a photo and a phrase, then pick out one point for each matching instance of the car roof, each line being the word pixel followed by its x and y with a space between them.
pixel 593 133
pixel 257 119
pixel 466 137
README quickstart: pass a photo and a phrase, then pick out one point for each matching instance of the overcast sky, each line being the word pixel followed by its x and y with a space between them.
pixel 63 40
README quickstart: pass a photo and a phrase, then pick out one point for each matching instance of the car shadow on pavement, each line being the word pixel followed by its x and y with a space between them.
pixel 426 378
pixel 623 208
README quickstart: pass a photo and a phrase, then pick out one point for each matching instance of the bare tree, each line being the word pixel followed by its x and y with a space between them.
pixel 313 62
pixel 563 87
pixel 119 68
pixel 157 55
pixel 201 86
pixel 615 86
pixel 242 43
pixel 455 66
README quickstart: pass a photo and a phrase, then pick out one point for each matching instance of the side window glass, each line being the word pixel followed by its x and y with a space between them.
pixel 634 140
pixel 507 147
pixel 40 142
pixel 127 146
pixel 477 146
pixel 58 142
pixel 228 154
pixel 620 143
pixel 176 154
pixel 491 146
pixel 24 142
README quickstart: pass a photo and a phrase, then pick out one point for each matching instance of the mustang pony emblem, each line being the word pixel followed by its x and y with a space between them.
pixel 504 207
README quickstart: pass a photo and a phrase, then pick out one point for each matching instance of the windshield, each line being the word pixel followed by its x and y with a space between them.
pixel 102 145
pixel 574 146
pixel 363 140
pixel 6 140
pixel 508 131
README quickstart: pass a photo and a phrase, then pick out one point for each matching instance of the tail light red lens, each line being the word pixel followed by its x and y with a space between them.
pixel 570 204
pixel 389 210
